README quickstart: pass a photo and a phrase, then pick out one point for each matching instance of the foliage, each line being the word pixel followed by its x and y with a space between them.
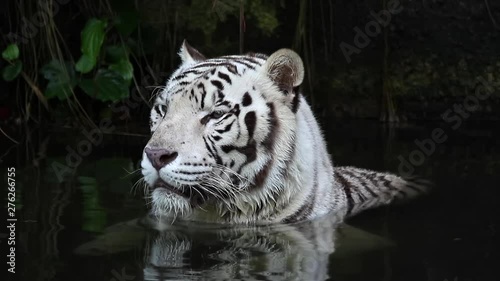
pixel 11 52
pixel 107 85
pixel 61 77
pixel 15 67
pixel 103 71
pixel 264 12
pixel 10 72
pixel 122 41
pixel 92 39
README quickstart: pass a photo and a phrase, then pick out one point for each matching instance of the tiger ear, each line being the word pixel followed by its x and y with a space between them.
pixel 189 54
pixel 285 68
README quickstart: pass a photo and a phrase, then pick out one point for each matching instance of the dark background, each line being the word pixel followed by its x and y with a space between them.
pixel 431 58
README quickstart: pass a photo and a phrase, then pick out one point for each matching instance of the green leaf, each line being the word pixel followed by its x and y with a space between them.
pixel 61 78
pixel 85 64
pixel 125 68
pixel 11 52
pixel 116 53
pixel 10 72
pixel 107 85
pixel 92 38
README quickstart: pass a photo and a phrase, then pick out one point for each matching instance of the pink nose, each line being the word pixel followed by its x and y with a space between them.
pixel 160 157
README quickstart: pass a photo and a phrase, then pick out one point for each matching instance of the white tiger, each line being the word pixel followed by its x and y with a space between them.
pixel 234 141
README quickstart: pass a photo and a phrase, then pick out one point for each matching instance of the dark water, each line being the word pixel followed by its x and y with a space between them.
pixel 63 234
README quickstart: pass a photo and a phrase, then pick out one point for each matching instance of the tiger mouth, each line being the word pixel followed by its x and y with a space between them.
pixel 185 192
pixel 196 198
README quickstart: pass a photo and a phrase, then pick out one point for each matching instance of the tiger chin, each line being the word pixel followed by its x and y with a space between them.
pixel 234 141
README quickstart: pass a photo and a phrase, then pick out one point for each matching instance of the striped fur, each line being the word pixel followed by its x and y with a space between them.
pixel 249 149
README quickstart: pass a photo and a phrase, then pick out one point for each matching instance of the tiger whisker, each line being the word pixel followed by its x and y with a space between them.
pixel 135 186
pixel 155 91
pixel 132 172
pixel 245 181
pixel 217 195
pixel 226 187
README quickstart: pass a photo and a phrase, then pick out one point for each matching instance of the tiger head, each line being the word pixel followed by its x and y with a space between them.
pixel 222 130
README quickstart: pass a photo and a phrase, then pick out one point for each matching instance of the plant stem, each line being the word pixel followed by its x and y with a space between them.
pixel 35 89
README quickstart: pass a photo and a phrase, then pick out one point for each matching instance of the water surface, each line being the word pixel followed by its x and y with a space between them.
pixel 64 227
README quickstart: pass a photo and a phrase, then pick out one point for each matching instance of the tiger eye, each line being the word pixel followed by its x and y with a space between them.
pixel 217 114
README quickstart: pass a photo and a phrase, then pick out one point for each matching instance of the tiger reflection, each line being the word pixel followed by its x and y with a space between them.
pixel 278 252
pixel 187 251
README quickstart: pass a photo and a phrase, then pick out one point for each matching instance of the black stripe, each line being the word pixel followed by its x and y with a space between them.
pixel 232 68
pixel 189 173
pixel 247 99
pixel 193 95
pixel 268 142
pixel 218 160
pixel 371 177
pixel 195 71
pixel 250 60
pixel 244 63
pixel 227 116
pixel 386 183
pixel 203 94
pixel 227 128
pixel 311 199
pixel 210 152
pixel 217 84
pixel 262 175
pixel 180 76
pixel 250 122
pixel 163 108
pixel 346 186
pixel 236 110
pixel 177 91
pixel 302 212
pixel 205 64
pixel 157 109
pixel 295 101
pixel 250 151
pixel 224 77
pixel 359 177
pixel 220 96
pixel 257 55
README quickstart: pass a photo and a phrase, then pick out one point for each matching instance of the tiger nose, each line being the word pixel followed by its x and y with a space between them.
pixel 160 157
